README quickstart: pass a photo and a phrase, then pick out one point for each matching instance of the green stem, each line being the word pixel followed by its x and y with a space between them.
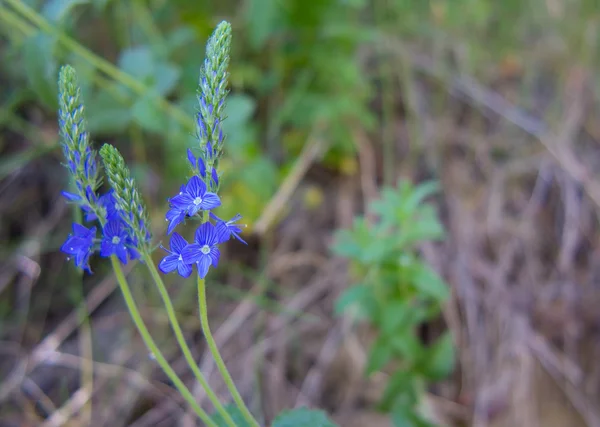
pixel 181 340
pixel 139 323
pixel 212 345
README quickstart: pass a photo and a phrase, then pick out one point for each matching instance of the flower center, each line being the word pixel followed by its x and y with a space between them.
pixel 116 240
pixel 197 201
pixel 180 258
pixel 205 249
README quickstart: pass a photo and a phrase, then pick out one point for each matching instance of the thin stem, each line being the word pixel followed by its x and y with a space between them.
pixel 181 340
pixel 160 359
pixel 212 345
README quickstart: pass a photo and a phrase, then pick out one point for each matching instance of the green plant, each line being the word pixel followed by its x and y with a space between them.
pixel 395 292
pixel 125 229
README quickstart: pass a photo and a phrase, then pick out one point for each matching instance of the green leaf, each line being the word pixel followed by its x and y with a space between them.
pixel 428 283
pixel 407 345
pixel 105 115
pixel 357 294
pixel 41 68
pixel 439 359
pixel 235 413
pixel 56 10
pixel 148 116
pixel 261 19
pixel 137 61
pixel 381 352
pixel 419 194
pixel 394 314
pixel 400 383
pixel 302 417
pixel 166 76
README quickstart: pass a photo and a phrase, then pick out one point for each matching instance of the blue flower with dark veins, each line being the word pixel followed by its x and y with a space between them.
pixel 195 197
pixel 108 202
pixel 80 245
pixel 115 240
pixel 204 251
pixel 175 216
pixel 174 261
pixel 230 227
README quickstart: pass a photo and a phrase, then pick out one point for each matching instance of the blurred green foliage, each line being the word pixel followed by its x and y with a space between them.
pixel 396 292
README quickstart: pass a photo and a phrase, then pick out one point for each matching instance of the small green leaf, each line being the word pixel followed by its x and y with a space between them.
pixel 105 115
pixel 429 283
pixel 261 21
pixel 407 345
pixel 357 294
pixel 439 359
pixel 137 61
pixel 235 414
pixel 394 314
pixel 381 352
pixel 302 417
pixel 400 383
pixel 41 68
pixel 56 10
pixel 148 116
pixel 166 76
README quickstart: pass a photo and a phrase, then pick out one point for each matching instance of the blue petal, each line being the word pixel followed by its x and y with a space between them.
pixel 184 270
pixel 112 229
pixel 201 167
pixel 215 177
pixel 72 245
pixel 203 265
pixel 70 196
pixel 168 263
pixel 181 202
pixel 205 234
pixel 222 232
pixel 210 201
pixel 178 243
pixel 80 231
pixel 191 253
pixel 106 248
pixel 214 254
pixel 121 253
pixel 195 187
pixel 191 157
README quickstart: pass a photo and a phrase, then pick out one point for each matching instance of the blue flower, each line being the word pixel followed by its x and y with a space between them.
pixel 80 245
pixel 230 227
pixel 115 241
pixel 108 202
pixel 175 216
pixel 195 197
pixel 174 261
pixel 205 251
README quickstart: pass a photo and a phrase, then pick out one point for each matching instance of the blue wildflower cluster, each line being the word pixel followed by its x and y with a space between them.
pixel 118 238
pixel 199 195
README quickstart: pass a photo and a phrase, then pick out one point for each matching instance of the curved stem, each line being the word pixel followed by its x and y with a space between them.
pixel 181 340
pixel 212 345
pixel 160 359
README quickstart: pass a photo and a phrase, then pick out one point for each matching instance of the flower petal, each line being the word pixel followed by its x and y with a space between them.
pixel 191 253
pixel 191 157
pixel 203 265
pixel 71 196
pixel 181 202
pixel 215 254
pixel 121 253
pixel 222 232
pixel 184 269
pixel 195 187
pixel 106 248
pixel 178 243
pixel 168 263
pixel 210 201
pixel 204 233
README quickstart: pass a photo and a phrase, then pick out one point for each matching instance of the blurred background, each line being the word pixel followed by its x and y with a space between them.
pixel 331 100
